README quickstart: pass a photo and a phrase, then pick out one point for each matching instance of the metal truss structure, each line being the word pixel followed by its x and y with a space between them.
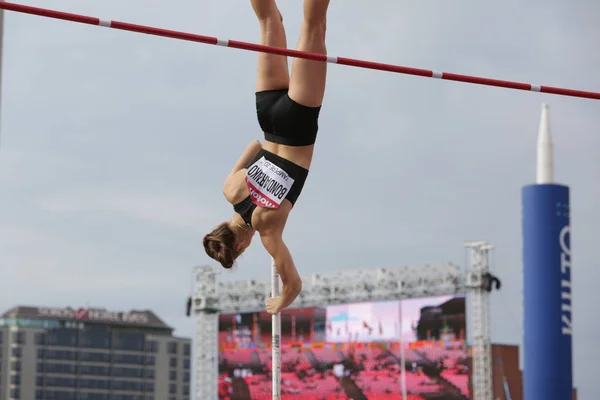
pixel 478 285
pixel 213 297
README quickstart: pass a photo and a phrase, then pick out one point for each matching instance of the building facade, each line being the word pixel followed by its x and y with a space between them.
pixel 91 354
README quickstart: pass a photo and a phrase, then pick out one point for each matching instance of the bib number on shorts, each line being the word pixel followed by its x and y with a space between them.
pixel 267 183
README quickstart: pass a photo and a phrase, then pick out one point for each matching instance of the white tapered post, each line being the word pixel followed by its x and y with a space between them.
pixel 276 336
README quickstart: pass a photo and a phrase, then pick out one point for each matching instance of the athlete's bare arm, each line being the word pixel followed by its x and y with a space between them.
pixel 251 150
pixel 292 283
pixel 232 188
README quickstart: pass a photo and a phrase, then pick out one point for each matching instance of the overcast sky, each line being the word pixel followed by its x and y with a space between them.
pixel 115 145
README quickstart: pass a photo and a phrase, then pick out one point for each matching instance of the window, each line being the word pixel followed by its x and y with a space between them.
pixel 128 372
pixel 94 370
pixel 129 341
pixel 60 382
pixel 62 337
pixel 152 346
pixel 15 379
pixel 118 358
pixel 150 373
pixel 130 386
pixel 173 362
pixel 186 376
pixel 17 352
pixel 172 348
pixel 58 355
pixel 95 339
pixel 95 396
pixel 96 384
pixel 187 349
pixel 18 337
pixel 15 394
pixel 173 375
pixel 95 357
pixel 150 360
pixel 186 390
pixel 186 363
pixel 40 339
pixel 172 388
pixel 15 366
pixel 55 368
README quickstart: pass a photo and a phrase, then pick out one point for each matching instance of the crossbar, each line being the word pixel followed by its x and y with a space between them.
pixel 43 12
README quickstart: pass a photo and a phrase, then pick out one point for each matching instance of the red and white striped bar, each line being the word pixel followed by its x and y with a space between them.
pixel 295 53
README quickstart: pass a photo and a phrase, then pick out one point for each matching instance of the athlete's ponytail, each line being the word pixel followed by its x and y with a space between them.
pixel 220 245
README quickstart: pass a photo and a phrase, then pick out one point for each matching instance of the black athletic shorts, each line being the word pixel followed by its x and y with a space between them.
pixel 284 121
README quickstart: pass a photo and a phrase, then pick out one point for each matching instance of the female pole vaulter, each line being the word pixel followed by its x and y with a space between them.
pixel 267 179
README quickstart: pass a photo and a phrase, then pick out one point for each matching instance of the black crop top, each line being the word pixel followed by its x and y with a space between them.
pixel 246 207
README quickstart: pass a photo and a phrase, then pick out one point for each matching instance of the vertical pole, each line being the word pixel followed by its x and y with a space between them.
pixel 276 337
pixel 402 357
pixel 1 65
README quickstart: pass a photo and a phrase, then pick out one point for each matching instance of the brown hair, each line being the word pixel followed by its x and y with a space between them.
pixel 220 245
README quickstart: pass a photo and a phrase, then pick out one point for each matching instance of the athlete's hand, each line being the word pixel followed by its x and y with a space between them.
pixel 273 305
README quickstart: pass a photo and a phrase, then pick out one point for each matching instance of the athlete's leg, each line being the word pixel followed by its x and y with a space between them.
pixel 272 69
pixel 307 85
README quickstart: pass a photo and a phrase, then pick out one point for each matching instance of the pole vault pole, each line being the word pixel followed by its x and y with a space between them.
pixel 1 67
pixel 276 337
pixel 43 12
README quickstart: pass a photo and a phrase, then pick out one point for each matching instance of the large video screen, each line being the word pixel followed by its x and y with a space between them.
pixel 371 350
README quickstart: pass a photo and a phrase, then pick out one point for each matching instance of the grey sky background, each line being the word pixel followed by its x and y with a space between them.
pixel 115 145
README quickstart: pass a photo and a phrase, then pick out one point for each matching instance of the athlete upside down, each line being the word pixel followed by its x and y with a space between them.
pixel 267 179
